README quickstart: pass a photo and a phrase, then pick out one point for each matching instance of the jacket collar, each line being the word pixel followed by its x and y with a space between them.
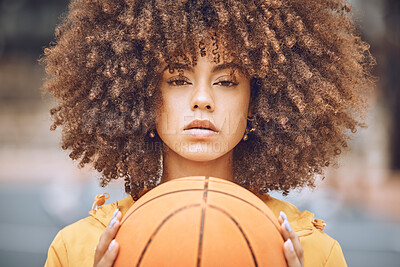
pixel 104 213
pixel 303 223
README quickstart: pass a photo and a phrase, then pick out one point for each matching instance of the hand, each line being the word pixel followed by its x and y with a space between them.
pixel 107 248
pixel 292 247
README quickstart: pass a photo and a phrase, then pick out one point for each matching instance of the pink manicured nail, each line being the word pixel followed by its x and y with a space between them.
pixel 115 213
pixel 112 245
pixel 287 226
pixel 283 215
pixel 290 245
pixel 113 221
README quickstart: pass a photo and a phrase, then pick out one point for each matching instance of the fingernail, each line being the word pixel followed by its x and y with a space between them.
pixel 115 213
pixel 287 226
pixel 289 244
pixel 113 221
pixel 114 243
pixel 283 215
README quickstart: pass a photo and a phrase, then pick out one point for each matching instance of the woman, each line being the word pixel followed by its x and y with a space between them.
pixel 260 93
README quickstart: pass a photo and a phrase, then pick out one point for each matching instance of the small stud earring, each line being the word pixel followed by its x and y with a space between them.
pixel 245 137
pixel 152 134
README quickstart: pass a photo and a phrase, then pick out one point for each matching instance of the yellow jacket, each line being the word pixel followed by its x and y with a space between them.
pixel 74 245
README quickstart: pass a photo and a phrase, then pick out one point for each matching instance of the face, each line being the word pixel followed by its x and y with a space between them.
pixel 204 110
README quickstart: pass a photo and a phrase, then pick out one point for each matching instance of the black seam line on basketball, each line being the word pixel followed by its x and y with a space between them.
pixel 203 215
pixel 240 229
pixel 252 205
pixel 209 190
pixel 165 194
pixel 159 227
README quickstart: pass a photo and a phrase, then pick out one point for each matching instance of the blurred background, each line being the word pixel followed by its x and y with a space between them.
pixel 42 190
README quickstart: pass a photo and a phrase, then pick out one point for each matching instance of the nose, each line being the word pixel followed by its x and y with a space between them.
pixel 202 99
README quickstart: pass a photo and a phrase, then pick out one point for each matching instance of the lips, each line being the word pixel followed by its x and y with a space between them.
pixel 202 125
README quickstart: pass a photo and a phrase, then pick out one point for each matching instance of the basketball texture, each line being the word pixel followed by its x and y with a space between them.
pixel 199 221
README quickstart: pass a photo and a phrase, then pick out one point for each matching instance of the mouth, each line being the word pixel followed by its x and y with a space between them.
pixel 202 125
pixel 201 129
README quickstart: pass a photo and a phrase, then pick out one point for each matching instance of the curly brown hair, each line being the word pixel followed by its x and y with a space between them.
pixel 309 72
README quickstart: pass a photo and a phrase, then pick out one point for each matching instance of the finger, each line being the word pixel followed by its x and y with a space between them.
pixel 297 247
pixel 290 255
pixel 282 217
pixel 289 234
pixel 286 229
pixel 110 255
pixel 280 220
pixel 107 236
pixel 109 233
pixel 118 215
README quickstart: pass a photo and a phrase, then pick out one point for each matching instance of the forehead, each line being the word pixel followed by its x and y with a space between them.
pixel 171 67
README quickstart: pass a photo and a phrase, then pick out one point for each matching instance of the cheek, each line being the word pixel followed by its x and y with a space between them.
pixel 233 125
pixel 235 115
pixel 168 116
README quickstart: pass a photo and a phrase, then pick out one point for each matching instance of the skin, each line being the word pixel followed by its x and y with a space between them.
pixel 201 92
pixel 207 91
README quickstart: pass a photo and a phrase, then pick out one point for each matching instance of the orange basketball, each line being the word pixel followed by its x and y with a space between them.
pixel 199 221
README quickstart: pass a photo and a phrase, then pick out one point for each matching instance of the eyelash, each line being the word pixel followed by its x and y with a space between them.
pixel 227 83
pixel 173 81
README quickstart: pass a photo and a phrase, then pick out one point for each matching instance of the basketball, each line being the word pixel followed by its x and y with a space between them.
pixel 199 221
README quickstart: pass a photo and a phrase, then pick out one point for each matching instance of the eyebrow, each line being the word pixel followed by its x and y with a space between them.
pixel 228 65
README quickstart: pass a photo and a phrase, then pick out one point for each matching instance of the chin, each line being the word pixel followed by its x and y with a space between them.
pixel 201 156
pixel 204 152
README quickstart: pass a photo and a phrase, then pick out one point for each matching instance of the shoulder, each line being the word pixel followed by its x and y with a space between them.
pixel 319 248
pixel 74 244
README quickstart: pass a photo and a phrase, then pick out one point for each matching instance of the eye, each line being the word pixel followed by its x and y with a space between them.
pixel 178 81
pixel 227 83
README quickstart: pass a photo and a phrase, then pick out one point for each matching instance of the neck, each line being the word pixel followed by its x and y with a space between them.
pixel 176 166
